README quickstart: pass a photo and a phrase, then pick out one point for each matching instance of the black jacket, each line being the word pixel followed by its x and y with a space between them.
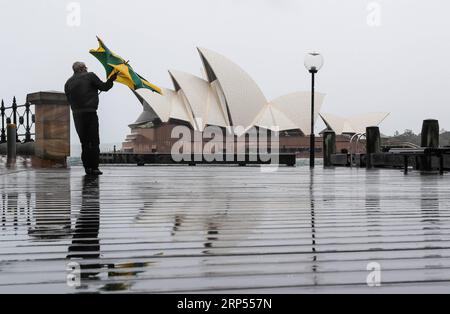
pixel 82 91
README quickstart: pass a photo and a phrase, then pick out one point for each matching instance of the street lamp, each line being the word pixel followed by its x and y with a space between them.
pixel 313 63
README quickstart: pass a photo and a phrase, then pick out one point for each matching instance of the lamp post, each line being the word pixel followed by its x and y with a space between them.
pixel 313 63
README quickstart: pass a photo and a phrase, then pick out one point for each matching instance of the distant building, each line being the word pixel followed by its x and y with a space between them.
pixel 227 98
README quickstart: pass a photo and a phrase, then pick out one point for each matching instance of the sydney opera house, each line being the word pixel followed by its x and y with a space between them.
pixel 228 97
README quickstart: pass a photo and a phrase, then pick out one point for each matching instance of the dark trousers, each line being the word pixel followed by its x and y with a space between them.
pixel 86 124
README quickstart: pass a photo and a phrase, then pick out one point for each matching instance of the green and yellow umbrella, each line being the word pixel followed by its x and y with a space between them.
pixel 114 63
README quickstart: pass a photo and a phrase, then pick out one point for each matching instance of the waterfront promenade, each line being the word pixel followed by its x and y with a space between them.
pixel 176 229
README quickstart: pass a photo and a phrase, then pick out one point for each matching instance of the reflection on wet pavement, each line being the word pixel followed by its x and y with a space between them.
pixel 222 229
pixel 85 244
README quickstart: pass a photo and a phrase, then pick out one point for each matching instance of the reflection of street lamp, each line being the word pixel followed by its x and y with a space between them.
pixel 313 63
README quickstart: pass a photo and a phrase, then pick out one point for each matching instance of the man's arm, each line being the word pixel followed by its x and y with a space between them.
pixel 99 84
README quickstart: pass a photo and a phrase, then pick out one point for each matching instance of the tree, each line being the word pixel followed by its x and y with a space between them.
pixel 408 132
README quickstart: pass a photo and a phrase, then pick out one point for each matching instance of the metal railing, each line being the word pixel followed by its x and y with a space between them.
pixel 20 115
pixel 393 144
pixel 357 137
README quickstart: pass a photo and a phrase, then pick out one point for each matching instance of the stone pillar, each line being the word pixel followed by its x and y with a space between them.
pixel 329 147
pixel 52 125
pixel 373 144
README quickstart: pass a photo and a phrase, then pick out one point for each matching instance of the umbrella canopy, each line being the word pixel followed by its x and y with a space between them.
pixel 114 63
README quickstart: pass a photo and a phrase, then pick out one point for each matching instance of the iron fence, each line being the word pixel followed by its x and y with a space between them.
pixel 20 115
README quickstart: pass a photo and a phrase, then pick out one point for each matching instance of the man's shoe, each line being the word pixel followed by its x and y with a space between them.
pixel 88 171
pixel 96 172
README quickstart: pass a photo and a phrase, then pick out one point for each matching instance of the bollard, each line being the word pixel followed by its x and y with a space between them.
pixel 11 133
pixel 373 144
pixel 430 133
pixel 429 138
pixel 329 147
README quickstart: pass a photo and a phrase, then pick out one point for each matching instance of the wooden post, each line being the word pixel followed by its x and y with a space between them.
pixel 329 147
pixel 373 144
pixel 429 138
pixel 52 125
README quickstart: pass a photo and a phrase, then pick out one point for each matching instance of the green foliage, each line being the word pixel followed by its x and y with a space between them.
pixel 409 136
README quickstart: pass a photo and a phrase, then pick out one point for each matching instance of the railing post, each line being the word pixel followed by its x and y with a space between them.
pixel 373 144
pixel 14 109
pixel 3 132
pixel 27 127
pixel 11 140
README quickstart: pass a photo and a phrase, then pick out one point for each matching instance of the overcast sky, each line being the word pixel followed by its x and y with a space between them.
pixel 386 55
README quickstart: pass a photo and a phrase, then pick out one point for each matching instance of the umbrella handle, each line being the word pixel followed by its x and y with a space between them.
pixel 118 72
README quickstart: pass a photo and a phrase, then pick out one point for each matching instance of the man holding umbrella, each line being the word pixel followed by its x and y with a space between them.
pixel 82 91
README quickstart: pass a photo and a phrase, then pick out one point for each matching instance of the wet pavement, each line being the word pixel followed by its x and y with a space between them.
pixel 221 229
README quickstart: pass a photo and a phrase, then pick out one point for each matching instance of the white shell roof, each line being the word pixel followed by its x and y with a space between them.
pixel 159 103
pixel 244 98
pixel 201 99
pixel 273 119
pixel 228 93
pixel 202 103
pixel 179 109
pixel 355 124
pixel 297 106
pixel 169 105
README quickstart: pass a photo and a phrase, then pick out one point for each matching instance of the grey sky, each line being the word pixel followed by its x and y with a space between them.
pixel 402 66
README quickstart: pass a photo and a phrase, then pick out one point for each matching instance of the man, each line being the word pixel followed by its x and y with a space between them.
pixel 82 91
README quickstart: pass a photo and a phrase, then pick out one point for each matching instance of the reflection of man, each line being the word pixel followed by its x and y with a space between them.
pixel 85 247
pixel 85 243
pixel 82 94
